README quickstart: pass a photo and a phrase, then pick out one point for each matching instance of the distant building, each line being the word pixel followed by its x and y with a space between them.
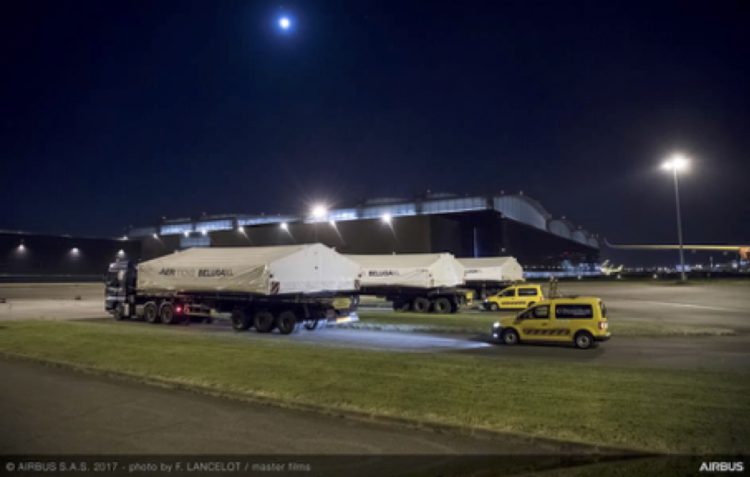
pixel 37 257
pixel 465 226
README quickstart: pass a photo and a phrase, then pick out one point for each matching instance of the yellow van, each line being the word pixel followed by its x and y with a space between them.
pixel 581 321
pixel 516 296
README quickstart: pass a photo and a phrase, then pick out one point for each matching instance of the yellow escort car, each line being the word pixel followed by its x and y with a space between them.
pixel 516 296
pixel 581 321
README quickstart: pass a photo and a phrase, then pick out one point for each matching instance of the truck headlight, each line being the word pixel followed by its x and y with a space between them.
pixel 496 324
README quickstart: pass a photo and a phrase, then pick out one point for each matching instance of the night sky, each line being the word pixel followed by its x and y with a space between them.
pixel 117 113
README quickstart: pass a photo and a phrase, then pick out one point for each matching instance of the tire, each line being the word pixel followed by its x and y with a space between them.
pixel 494 307
pixel 150 312
pixel 119 312
pixel 166 314
pixel 263 321
pixel 420 305
pixel 240 320
pixel 401 305
pixel 583 340
pixel 510 337
pixel 441 305
pixel 454 306
pixel 287 322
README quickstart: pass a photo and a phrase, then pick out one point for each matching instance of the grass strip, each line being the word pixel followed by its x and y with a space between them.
pixel 641 409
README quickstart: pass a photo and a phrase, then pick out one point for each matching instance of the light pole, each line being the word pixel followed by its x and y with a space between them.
pixel 678 163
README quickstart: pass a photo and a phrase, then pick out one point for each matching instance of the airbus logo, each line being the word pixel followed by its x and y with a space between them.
pixel 722 467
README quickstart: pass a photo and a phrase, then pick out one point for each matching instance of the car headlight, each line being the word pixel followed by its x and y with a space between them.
pixel 496 324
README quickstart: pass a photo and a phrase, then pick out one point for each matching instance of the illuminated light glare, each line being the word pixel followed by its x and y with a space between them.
pixel 677 162
pixel 319 211
pixel 285 23
pixel 186 233
pixel 75 251
pixel 386 218
pixel 284 226
pixel 21 247
pixel 204 232
pixel 124 237
pixel 332 222
pixel 121 252
pixel 156 236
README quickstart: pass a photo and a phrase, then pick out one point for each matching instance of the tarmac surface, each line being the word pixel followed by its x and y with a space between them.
pixel 723 304
pixel 48 410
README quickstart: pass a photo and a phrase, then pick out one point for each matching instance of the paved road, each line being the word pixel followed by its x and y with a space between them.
pixel 715 353
pixel 721 305
pixel 51 410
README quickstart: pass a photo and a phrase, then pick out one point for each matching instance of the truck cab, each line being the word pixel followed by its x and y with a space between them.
pixel 515 297
pixel 120 289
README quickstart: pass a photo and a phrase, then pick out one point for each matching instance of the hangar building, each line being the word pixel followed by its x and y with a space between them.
pixel 467 226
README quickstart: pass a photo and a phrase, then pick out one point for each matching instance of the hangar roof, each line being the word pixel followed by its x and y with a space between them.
pixel 517 207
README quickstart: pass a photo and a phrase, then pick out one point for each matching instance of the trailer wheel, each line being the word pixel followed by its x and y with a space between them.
pixel 421 305
pixel 401 305
pixel 441 305
pixel 240 320
pixel 263 321
pixel 287 322
pixel 150 312
pixel 166 313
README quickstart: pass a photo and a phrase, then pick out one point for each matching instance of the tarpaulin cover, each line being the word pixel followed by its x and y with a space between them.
pixel 294 269
pixel 422 270
pixel 499 269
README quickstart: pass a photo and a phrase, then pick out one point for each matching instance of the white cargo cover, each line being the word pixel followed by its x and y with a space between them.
pixel 309 268
pixel 492 269
pixel 422 270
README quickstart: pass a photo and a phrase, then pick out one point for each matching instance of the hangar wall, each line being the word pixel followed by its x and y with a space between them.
pixel 468 234
pixel 25 256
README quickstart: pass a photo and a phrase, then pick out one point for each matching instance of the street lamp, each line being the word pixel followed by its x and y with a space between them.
pixel 319 212
pixel 677 163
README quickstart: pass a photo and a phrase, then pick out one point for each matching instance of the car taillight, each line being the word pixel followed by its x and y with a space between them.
pixel 178 309
pixel 602 325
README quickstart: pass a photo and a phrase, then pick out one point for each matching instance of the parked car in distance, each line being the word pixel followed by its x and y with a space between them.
pixel 515 297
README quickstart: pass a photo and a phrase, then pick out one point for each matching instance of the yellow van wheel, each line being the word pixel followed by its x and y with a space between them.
pixel 583 340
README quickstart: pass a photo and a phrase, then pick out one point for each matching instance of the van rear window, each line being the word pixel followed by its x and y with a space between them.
pixel 573 312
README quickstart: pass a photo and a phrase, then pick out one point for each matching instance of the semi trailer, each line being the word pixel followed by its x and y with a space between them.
pixel 265 288
pixel 486 276
pixel 414 282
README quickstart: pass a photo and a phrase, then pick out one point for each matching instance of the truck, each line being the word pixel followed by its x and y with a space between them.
pixel 485 276
pixel 264 288
pixel 421 282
